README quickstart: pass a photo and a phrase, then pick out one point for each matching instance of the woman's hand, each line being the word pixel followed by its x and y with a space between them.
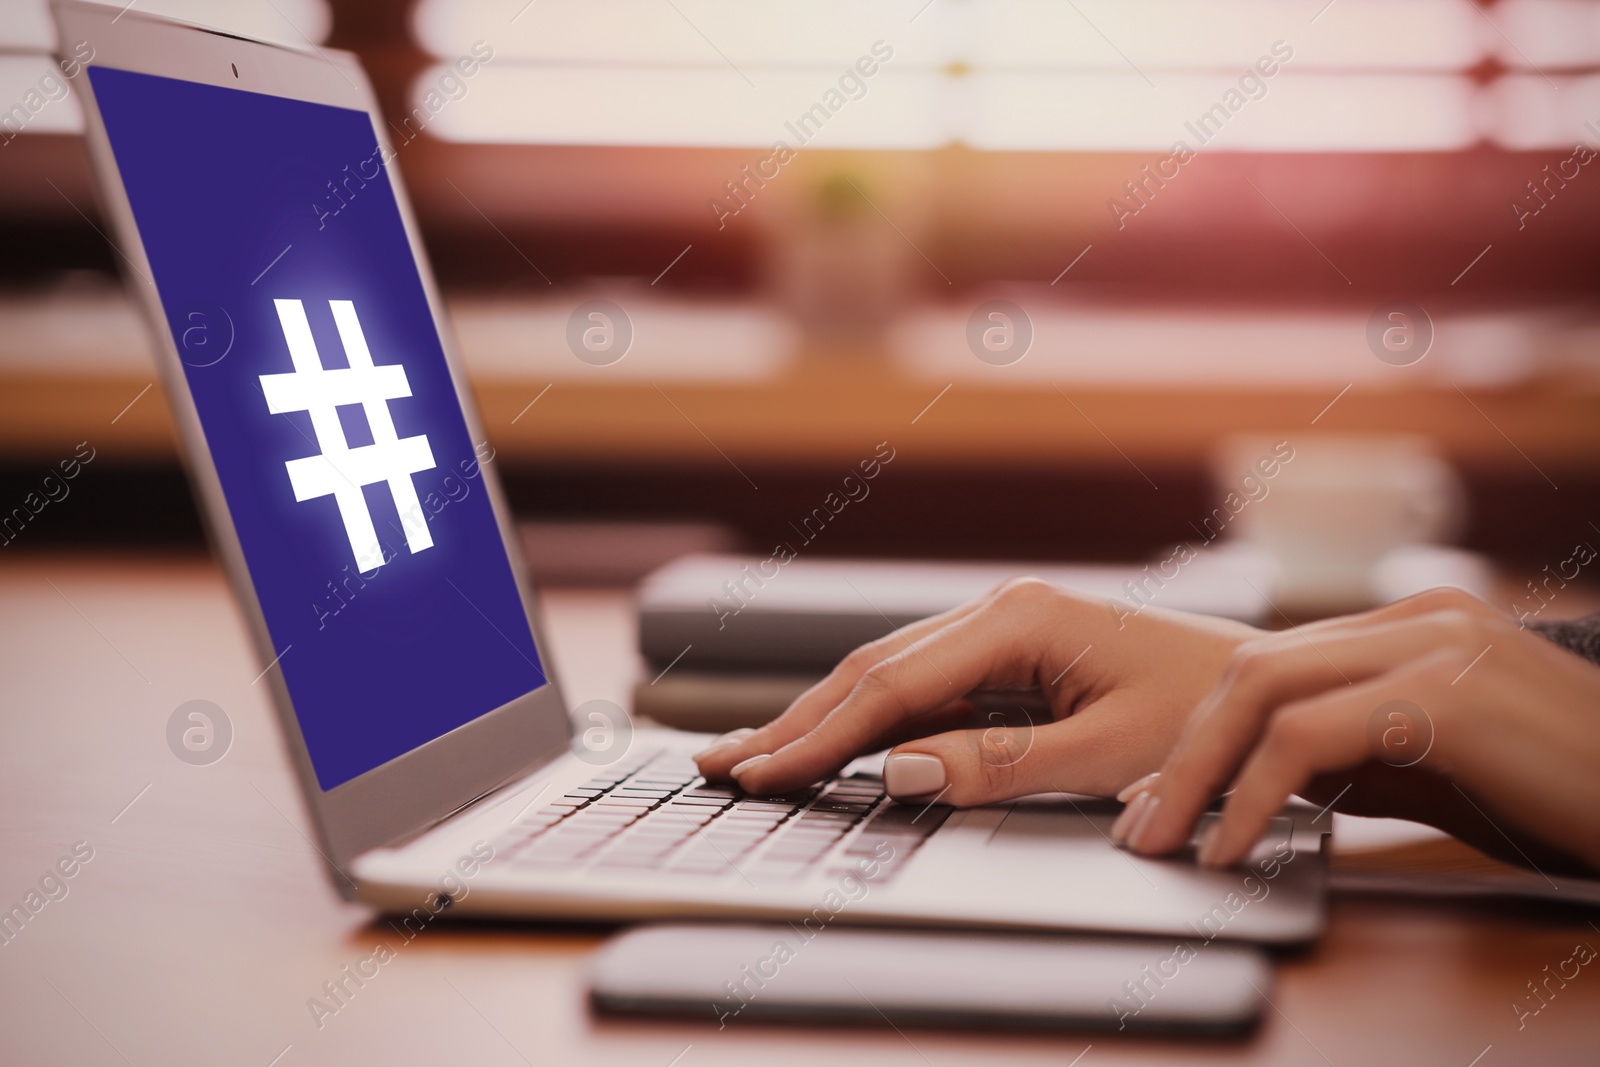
pixel 1436 708
pixel 1120 686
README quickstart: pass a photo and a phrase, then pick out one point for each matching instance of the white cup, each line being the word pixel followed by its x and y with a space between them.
pixel 1333 508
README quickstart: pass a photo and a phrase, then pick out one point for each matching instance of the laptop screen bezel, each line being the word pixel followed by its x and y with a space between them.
pixel 417 789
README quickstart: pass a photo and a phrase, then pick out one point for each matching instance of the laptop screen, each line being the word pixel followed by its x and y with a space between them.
pixel 290 288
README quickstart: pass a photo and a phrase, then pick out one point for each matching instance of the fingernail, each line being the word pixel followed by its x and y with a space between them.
pixel 1137 837
pixel 1206 854
pixel 729 738
pixel 1133 789
pixel 912 774
pixel 750 764
pixel 1129 817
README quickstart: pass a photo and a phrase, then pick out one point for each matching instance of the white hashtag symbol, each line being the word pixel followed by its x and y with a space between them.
pixel 341 471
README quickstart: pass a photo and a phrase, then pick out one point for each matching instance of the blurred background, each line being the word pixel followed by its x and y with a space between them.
pixel 962 227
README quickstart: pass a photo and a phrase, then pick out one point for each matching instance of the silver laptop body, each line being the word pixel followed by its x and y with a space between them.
pixel 498 815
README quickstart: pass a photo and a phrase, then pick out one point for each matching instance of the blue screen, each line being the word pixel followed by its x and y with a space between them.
pixel 293 297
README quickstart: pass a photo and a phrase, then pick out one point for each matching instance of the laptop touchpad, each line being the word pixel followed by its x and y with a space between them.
pixel 1034 824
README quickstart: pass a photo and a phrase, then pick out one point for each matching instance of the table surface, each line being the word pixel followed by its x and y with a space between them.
pixel 203 923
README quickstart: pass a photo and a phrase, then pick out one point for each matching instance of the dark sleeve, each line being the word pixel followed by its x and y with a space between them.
pixel 1579 635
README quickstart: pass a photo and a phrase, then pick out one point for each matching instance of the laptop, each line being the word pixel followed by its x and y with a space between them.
pixel 253 194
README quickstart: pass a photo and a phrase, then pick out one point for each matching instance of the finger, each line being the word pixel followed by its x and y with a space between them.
pixel 811 706
pixel 1262 676
pixel 996 645
pixel 1086 753
pixel 1137 786
pixel 1305 738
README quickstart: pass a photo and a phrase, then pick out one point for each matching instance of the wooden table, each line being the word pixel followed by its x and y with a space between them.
pixel 828 412
pixel 203 923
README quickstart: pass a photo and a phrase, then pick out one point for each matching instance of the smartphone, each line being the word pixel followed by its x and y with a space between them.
pixel 738 974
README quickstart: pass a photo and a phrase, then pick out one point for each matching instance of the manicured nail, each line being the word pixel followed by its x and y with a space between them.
pixel 732 737
pixel 1206 854
pixel 1133 789
pixel 1130 817
pixel 750 764
pixel 1139 835
pixel 912 774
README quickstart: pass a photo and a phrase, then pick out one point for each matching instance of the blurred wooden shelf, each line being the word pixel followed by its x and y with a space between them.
pixel 831 411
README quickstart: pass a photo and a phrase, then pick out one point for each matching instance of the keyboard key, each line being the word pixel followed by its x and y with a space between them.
pixel 595 828
pixel 723 842
pixel 838 808
pixel 803 825
pixel 646 837
pixel 585 833
pixel 572 843
pixel 805 834
pixel 703 868
pixel 547 814
pixel 801 847
pixel 741 829
pixel 826 818
pixel 641 848
pixel 747 826
pixel 656 812
pixel 625 804
pixel 808 850
pixel 752 818
pixel 606 817
pixel 686 816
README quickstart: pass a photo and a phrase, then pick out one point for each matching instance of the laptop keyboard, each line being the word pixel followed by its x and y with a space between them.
pixel 657 814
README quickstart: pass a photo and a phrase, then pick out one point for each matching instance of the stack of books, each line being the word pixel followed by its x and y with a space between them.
pixel 730 641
